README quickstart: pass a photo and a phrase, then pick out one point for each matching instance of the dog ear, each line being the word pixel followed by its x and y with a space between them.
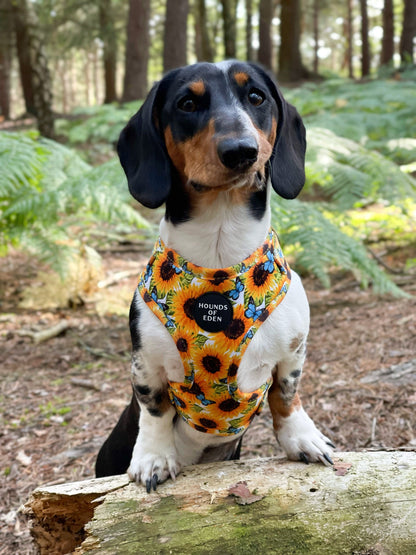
pixel 142 152
pixel 287 162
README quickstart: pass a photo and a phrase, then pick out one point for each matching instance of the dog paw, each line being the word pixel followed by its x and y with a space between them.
pixel 302 441
pixel 150 468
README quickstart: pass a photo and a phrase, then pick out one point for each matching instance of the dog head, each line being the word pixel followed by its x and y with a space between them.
pixel 213 126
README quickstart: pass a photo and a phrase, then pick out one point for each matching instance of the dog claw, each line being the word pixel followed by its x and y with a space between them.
pixel 148 486
pixel 303 457
pixel 328 458
pixel 154 481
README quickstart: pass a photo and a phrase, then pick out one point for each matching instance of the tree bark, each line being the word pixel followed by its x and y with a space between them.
pixel 364 504
pixel 290 62
pixel 34 72
pixel 408 32
pixel 174 43
pixel 229 16
pixel 387 44
pixel 203 45
pixel 365 43
pixel 6 26
pixel 137 50
pixel 265 39
pixel 109 37
pixel 349 35
pixel 249 31
pixel 24 54
pixel 315 36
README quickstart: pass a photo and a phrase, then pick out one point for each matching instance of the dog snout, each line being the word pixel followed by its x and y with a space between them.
pixel 238 154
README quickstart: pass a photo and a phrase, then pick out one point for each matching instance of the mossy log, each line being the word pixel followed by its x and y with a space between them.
pixel 365 504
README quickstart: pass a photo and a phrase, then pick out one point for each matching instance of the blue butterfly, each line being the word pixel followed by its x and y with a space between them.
pixel 176 268
pixel 170 323
pixel 235 293
pixel 232 430
pixel 185 269
pixel 205 402
pixel 252 312
pixel 248 335
pixel 149 272
pixel 269 265
pixel 154 296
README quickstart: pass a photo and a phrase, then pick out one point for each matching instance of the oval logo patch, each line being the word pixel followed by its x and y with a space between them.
pixel 213 312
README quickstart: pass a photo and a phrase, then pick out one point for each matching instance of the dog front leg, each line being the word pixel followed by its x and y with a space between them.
pixel 294 429
pixel 154 456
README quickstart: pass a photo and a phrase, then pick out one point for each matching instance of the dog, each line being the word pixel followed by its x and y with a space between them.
pixel 218 320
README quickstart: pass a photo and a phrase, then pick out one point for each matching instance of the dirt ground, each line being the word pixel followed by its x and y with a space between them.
pixel 60 398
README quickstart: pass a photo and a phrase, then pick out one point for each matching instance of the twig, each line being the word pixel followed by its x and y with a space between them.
pixel 85 383
pixel 45 335
pixel 382 263
pixel 118 276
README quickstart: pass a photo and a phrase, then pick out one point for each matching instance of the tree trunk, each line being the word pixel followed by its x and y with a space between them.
pixel 109 37
pixel 265 39
pixel 229 16
pixel 249 30
pixel 387 45
pixel 137 50
pixel 6 26
pixel 365 43
pixel 349 34
pixel 290 62
pixel 174 43
pixel 24 54
pixel 364 504
pixel 35 76
pixel 203 45
pixel 408 32
pixel 315 36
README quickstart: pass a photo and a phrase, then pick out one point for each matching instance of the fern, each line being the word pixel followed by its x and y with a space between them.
pixel 319 245
pixel 351 174
pixel 46 188
pixel 97 124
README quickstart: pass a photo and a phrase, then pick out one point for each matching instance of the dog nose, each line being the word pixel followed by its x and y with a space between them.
pixel 238 154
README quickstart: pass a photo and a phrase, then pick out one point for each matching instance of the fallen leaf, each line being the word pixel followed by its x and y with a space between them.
pixel 243 495
pixel 23 459
pixel 341 468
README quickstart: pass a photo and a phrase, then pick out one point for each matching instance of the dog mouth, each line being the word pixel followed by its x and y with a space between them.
pixel 254 180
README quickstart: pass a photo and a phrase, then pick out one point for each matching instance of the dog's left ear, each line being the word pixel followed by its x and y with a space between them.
pixel 287 162
pixel 142 152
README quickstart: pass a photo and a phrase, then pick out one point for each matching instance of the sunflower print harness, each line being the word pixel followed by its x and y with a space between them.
pixel 212 315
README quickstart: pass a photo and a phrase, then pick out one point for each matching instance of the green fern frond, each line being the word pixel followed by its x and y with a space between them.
pixel 350 173
pixel 45 188
pixel 99 123
pixel 319 245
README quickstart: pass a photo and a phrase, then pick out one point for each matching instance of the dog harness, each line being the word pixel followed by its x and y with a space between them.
pixel 212 314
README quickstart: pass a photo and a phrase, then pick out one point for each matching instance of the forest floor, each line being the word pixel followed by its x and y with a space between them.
pixel 61 397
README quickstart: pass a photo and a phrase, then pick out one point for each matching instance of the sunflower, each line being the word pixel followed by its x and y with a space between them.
pixel 211 367
pixel 166 272
pixel 182 305
pixel 259 281
pixel 228 340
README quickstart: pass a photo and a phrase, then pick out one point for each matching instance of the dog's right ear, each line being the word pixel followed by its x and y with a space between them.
pixel 142 151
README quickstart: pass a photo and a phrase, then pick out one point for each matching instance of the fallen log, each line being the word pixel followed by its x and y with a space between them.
pixel 365 504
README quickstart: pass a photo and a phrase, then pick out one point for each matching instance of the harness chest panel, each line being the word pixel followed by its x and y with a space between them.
pixel 212 314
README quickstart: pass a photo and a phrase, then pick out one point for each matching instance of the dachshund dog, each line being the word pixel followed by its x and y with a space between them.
pixel 219 321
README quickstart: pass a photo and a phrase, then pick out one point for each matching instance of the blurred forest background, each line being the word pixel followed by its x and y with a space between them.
pixel 72 241
pixel 82 68
pixel 76 71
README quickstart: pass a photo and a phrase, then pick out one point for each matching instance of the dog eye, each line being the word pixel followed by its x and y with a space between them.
pixel 187 104
pixel 256 97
